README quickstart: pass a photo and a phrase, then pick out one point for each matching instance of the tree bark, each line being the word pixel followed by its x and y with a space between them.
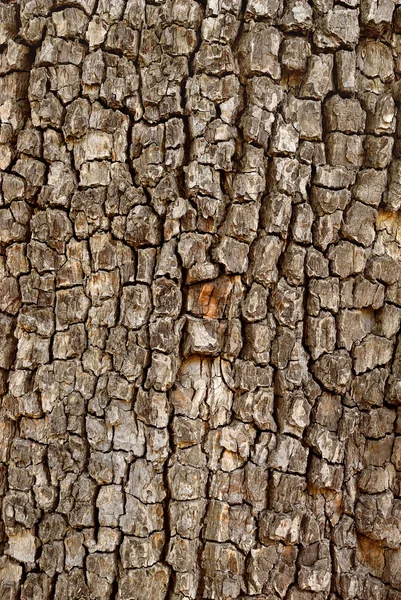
pixel 200 296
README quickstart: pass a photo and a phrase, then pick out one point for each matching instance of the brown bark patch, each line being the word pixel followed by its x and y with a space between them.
pixel 371 555
pixel 211 298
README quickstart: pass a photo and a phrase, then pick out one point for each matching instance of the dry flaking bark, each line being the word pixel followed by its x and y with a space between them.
pixel 200 296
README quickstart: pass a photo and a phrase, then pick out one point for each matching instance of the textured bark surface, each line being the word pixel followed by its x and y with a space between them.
pixel 200 295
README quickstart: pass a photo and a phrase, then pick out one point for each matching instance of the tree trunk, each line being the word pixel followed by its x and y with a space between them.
pixel 200 295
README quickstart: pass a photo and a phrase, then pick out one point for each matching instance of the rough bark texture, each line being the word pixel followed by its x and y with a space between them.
pixel 200 294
